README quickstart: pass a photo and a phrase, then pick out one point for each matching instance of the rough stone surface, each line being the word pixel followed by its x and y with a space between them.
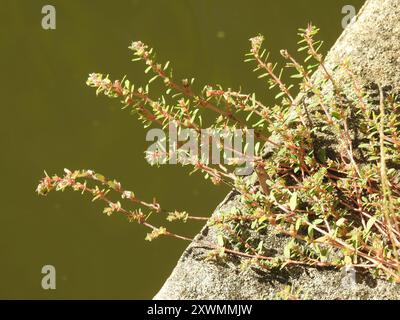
pixel 194 278
pixel 372 43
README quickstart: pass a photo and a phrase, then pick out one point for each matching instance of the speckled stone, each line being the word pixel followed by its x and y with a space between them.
pixel 372 42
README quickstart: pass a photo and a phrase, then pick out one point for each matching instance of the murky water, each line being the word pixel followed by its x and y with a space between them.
pixel 51 120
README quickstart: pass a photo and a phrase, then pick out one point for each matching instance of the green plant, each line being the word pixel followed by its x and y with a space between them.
pixel 325 168
pixel 290 293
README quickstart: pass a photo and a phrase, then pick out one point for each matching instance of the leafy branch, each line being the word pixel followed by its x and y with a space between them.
pixel 335 210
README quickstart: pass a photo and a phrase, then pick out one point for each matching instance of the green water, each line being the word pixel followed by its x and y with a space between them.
pixel 51 120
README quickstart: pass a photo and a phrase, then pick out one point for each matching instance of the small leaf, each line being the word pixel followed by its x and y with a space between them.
pixel 281 94
pixel 370 223
pixel 317 221
pixel 340 222
pixel 336 115
pixel 99 177
pixel 293 201
pixel 220 240
pixel 348 261
pixel 286 251
pixel 262 219
pixel 310 231
pixel 166 65
pixel 152 79
pixel 298 224
pixel 262 75
pixel 321 154
pixel 296 76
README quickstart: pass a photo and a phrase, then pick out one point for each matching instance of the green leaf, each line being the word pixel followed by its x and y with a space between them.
pixel 296 76
pixel 340 222
pixel 154 78
pixel 336 115
pixel 249 116
pixel 348 261
pixel 370 223
pixel 286 251
pixel 220 240
pixel 293 201
pixel 166 65
pixel 99 177
pixel 280 94
pixel 112 184
pixel 321 154
pixel 262 219
pixel 298 224
pixel 253 100
pixel 317 221
pixel 260 246
pixel 310 231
